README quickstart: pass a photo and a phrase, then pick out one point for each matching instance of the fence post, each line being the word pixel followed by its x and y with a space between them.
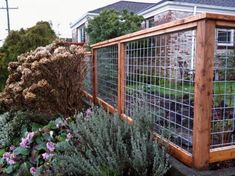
pixel 205 44
pixel 94 75
pixel 121 77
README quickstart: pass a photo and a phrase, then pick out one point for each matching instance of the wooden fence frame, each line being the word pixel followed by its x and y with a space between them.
pixel 205 25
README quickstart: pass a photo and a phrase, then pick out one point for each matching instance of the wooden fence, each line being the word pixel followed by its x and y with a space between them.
pixel 183 74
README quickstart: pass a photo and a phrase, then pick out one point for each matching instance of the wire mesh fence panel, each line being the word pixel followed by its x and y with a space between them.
pixel 222 126
pixel 88 79
pixel 159 78
pixel 107 74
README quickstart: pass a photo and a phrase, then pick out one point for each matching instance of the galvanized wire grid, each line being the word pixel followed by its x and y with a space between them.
pixel 222 130
pixel 160 83
pixel 107 74
pixel 88 79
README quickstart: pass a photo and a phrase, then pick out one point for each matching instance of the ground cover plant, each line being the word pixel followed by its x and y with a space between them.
pixel 33 150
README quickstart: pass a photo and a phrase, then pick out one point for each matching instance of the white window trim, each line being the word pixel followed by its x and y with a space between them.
pixel 231 37
pixel 147 22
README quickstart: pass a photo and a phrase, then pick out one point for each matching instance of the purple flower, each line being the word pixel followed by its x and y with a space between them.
pixel 6 155
pixel 11 161
pixel 12 147
pixel 30 136
pixel 9 158
pixel 24 143
pixel 45 156
pixel 50 146
pixel 88 112
pixel 33 170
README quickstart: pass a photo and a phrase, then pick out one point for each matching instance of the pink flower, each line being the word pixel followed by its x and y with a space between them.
pixel 45 156
pixel 88 112
pixel 11 162
pixel 30 136
pixel 12 147
pixel 24 143
pixel 50 146
pixel 9 158
pixel 6 155
pixel 33 170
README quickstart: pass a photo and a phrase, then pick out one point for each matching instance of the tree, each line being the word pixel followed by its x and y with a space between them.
pixel 110 23
pixel 18 42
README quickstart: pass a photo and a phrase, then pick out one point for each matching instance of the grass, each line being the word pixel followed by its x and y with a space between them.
pixel 224 87
pixel 173 89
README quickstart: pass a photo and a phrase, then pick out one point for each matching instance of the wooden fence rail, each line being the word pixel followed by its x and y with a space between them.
pixel 176 66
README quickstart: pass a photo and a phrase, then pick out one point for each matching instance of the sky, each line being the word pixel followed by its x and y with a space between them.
pixel 61 13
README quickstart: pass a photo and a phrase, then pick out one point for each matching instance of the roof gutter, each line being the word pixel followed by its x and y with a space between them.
pixel 189 7
pixel 86 15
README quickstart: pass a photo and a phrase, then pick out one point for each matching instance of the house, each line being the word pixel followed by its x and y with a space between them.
pixel 161 12
pixel 78 28
pixel 170 10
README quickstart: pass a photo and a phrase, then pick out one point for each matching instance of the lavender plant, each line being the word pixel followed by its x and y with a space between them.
pixel 107 145
pixel 11 125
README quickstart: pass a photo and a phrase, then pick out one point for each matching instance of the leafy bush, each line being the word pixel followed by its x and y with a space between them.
pixel 11 125
pixel 108 146
pixel 46 81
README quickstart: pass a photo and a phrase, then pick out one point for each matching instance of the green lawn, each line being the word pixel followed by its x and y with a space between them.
pixel 178 89
pixel 224 88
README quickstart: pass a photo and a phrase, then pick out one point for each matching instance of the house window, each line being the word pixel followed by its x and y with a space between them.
pixel 74 35
pixel 83 34
pixel 225 37
pixel 149 22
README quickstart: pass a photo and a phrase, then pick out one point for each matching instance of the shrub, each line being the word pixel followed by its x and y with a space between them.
pixel 108 146
pixel 47 81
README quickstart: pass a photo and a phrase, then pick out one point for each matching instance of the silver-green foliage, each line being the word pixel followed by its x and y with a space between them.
pixel 11 125
pixel 108 146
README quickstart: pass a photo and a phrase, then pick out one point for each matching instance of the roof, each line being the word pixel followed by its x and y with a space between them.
pixel 134 7
pixel 140 7
pixel 222 3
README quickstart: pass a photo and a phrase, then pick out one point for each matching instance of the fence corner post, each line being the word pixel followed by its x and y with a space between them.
pixel 203 100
